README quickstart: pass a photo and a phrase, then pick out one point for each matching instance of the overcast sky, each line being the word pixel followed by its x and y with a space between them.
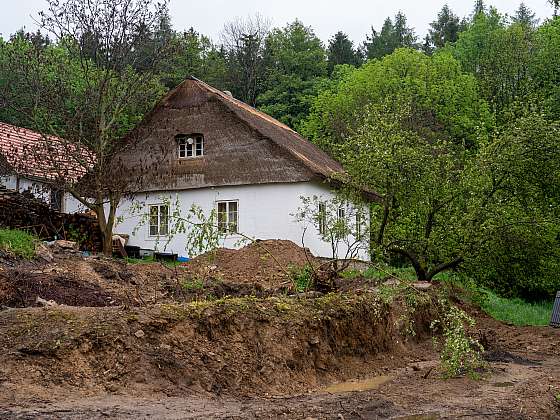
pixel 355 17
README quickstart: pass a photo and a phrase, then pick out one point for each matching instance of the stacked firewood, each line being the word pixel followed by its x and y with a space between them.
pixel 23 211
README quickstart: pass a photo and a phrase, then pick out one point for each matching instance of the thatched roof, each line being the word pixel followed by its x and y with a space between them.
pixel 301 149
pixel 242 146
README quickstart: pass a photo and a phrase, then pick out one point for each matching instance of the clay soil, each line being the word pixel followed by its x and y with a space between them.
pixel 132 341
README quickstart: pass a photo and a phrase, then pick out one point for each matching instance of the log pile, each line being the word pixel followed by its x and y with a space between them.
pixel 25 212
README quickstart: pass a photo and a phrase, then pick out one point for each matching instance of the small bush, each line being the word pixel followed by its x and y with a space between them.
pixel 192 285
pixel 302 278
pixel 18 242
pixel 460 353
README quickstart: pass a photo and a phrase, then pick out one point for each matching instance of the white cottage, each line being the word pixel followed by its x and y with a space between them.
pixel 204 147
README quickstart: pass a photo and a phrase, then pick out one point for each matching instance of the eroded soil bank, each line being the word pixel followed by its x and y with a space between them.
pixel 264 358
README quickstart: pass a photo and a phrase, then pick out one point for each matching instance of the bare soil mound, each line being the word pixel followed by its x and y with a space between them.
pixel 263 262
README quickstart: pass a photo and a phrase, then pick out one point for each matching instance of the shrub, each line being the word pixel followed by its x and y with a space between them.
pixel 460 353
pixel 302 277
pixel 18 242
pixel 520 263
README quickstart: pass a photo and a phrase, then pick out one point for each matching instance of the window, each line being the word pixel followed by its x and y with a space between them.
pixel 159 220
pixel 322 218
pixel 341 213
pixel 228 216
pixel 190 146
pixel 56 198
pixel 358 226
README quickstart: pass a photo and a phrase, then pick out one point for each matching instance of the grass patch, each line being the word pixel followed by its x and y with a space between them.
pixel 517 311
pixel 151 260
pixel 514 311
pixel 18 242
pixel 382 272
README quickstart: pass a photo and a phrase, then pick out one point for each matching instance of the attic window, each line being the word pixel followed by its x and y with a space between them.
pixel 190 146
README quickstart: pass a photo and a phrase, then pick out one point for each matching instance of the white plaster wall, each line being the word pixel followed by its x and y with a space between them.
pixel 38 189
pixel 265 212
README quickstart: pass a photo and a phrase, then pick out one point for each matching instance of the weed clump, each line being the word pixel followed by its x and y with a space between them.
pixel 18 242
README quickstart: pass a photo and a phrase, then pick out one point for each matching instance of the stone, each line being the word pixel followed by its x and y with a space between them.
pixel 66 244
pixel 44 302
pixel 44 253
pixel 422 285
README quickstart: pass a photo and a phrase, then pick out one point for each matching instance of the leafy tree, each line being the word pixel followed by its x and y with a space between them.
pixel 479 8
pixel 194 55
pixel 518 186
pixel 419 179
pixel 295 61
pixel 442 97
pixel 87 95
pixel 341 51
pixel 544 67
pixel 445 29
pixel 392 36
pixel 499 56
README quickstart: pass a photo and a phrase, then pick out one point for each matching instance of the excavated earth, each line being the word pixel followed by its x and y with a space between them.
pixel 144 341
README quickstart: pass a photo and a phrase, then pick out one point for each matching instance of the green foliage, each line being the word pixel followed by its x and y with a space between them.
pixel 517 182
pixel 192 285
pixel 544 66
pixel 517 311
pixel 194 55
pixel 393 35
pixel 499 56
pixel 441 98
pixel 341 51
pixel 460 354
pixel 18 242
pixel 302 278
pixel 444 29
pixel 295 60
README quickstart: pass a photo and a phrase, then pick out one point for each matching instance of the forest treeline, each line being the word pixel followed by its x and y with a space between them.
pixel 458 131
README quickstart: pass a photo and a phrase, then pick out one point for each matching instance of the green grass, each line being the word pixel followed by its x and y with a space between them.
pixel 18 242
pixel 517 311
pixel 150 260
pixel 381 272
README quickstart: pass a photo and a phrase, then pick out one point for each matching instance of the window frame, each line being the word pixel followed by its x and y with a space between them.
pixel 159 225
pixel 196 148
pixel 227 213
pixel 322 218
pixel 56 199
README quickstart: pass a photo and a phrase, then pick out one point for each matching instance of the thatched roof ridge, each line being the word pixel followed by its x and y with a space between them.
pixel 303 150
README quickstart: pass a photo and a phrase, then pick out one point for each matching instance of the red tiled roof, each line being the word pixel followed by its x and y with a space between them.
pixel 31 154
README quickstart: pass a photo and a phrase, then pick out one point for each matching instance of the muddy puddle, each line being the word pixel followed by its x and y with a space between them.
pixel 357 386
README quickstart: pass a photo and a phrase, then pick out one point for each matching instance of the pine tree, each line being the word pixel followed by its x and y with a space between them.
pixel 479 7
pixel 525 16
pixel 341 51
pixel 445 29
pixel 392 36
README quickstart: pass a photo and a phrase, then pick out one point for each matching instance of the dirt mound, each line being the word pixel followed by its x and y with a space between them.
pixel 21 288
pixel 263 262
